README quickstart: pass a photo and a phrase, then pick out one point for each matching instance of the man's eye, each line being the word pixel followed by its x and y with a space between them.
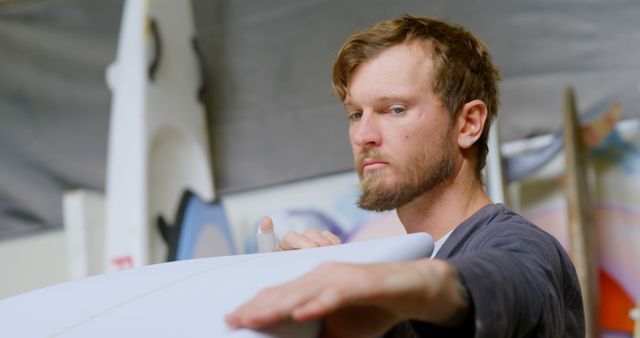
pixel 398 110
pixel 355 116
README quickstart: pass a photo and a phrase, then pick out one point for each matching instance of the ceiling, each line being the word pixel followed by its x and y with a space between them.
pixel 273 116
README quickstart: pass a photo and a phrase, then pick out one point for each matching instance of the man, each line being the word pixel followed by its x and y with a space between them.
pixel 420 96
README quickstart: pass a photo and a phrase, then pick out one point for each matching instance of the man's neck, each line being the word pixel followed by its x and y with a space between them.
pixel 444 207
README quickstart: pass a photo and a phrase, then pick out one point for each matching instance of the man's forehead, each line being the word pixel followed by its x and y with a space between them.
pixel 391 75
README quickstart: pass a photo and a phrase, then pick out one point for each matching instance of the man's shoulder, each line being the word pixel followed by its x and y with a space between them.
pixel 497 226
pixel 497 217
pixel 498 246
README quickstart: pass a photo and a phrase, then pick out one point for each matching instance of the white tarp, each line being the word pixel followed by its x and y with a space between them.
pixel 274 117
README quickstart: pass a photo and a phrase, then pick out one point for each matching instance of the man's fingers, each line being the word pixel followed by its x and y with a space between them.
pixel 335 240
pixel 273 305
pixel 326 291
pixel 255 319
pixel 324 238
pixel 293 241
pixel 266 225
pixel 326 302
pixel 315 236
pixel 310 239
pixel 265 236
pixel 266 308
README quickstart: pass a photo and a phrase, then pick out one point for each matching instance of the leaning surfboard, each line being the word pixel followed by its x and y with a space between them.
pixel 158 143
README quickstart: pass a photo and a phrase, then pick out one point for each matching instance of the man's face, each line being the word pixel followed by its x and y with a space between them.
pixel 400 132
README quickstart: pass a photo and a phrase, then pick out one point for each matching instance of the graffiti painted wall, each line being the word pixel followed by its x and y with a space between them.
pixel 614 175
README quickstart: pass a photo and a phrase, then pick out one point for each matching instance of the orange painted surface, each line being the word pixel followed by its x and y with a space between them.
pixel 615 305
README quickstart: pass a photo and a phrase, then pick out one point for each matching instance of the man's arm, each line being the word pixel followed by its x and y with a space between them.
pixel 358 300
pixel 520 281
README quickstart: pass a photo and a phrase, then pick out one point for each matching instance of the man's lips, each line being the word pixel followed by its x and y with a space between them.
pixel 372 163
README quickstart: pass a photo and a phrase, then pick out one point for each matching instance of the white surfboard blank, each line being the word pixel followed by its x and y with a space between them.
pixel 185 298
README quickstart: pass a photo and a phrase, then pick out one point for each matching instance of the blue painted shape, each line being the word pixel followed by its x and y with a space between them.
pixel 198 215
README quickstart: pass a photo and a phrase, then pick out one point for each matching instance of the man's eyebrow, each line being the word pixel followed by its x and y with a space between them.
pixel 346 102
pixel 348 105
pixel 394 98
pixel 383 99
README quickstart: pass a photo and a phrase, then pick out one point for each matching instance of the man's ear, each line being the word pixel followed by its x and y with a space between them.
pixel 471 120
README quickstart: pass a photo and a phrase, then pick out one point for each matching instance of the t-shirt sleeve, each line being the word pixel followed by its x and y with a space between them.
pixel 515 278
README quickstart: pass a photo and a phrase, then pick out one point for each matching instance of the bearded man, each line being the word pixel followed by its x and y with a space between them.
pixel 420 96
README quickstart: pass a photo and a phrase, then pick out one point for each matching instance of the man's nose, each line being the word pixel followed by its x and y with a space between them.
pixel 366 132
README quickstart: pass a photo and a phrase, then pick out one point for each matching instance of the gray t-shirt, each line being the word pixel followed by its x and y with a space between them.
pixel 520 280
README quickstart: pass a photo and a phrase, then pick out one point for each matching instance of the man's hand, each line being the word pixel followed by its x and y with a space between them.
pixel 292 240
pixel 360 300
pixel 311 238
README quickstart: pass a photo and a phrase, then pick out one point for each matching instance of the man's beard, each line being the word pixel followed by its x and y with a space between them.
pixel 426 172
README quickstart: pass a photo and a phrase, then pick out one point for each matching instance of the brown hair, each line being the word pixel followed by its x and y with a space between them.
pixel 463 67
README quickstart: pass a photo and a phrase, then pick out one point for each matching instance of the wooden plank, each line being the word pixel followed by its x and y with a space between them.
pixel 582 230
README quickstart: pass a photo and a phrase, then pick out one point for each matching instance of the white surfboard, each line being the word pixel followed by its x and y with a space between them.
pixel 158 145
pixel 185 298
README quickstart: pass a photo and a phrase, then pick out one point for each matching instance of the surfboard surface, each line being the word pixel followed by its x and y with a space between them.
pixel 185 298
